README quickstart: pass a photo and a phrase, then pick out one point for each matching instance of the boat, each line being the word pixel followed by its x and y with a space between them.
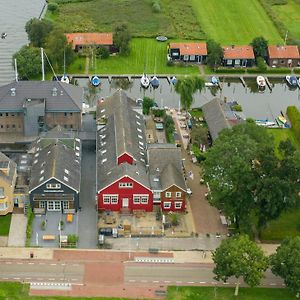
pixel 266 123
pixel 145 82
pixel 65 79
pixel 161 38
pixel 282 119
pixel 3 35
pixel 291 80
pixel 154 82
pixel 174 80
pixel 95 81
pixel 261 82
pixel 215 80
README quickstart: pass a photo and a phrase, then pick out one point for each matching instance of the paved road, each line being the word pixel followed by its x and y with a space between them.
pixel 181 274
pixel 13 16
pixel 43 271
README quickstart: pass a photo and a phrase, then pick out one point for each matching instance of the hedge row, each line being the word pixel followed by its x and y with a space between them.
pixel 294 117
pixel 230 71
pixel 270 71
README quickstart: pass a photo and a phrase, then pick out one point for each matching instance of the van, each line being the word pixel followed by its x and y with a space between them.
pixel 115 232
pixel 101 239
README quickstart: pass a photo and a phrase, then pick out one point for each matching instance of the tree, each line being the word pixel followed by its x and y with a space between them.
pixel 147 104
pixel 286 263
pixel 186 87
pixel 241 258
pixel 247 180
pixel 29 62
pixel 37 31
pixel 122 37
pixel 261 64
pixel 56 45
pixel 260 47
pixel 215 54
pixel 199 135
pixel 102 52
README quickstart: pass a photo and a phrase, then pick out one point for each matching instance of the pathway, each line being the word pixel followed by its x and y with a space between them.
pixel 17 231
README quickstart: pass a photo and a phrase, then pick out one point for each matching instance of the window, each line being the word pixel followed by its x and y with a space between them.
pixel 2 192
pixel 6 114
pixel 1 114
pixel 66 178
pixel 178 205
pixel 156 195
pixel 53 186
pixel 7 126
pixel 42 204
pixel 3 206
pixel 57 205
pixel 136 200
pixel 229 62
pixel 71 126
pixel 144 199
pixel 167 205
pixel 168 194
pixel 114 199
pixel 1 126
pixel 106 199
pixel 139 130
pixel 237 62
pixel 71 114
pixel 65 204
pixel 13 126
pixel 66 114
pixel 178 194
pixel 67 171
pixel 125 184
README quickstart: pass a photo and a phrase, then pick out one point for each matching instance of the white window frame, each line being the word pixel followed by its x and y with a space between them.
pixel 168 194
pixel 125 185
pixel 167 205
pixel 106 199
pixel 66 205
pixel 229 62
pixel 53 186
pixel 136 199
pixel 114 199
pixel 156 195
pixel 178 194
pixel 42 204
pixel 237 62
pixel 3 206
pixel 144 199
pixel 178 204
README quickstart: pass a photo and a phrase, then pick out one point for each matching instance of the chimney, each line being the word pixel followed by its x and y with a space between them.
pixel 54 92
pixel 232 46
pixel 13 92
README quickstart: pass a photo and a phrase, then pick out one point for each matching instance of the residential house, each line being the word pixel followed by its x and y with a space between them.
pixel 166 177
pixel 238 56
pixel 283 56
pixel 55 177
pixel 188 52
pixel 122 179
pixel 29 107
pixel 80 41
pixel 8 176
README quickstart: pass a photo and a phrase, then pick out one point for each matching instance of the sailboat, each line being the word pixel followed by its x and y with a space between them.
pixel 154 80
pixel 65 78
pixel 95 81
pixel 145 82
pixel 174 80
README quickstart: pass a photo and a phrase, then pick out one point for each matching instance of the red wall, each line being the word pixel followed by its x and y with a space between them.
pixel 173 189
pixel 172 208
pixel 125 193
pixel 125 157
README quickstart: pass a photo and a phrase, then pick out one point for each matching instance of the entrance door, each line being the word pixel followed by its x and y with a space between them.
pixel 54 205
pixel 125 202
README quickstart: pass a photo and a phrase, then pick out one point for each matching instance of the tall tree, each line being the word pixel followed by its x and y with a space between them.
pixel 122 37
pixel 186 87
pixel 56 45
pixel 286 263
pixel 29 62
pixel 37 31
pixel 215 54
pixel 260 47
pixel 241 258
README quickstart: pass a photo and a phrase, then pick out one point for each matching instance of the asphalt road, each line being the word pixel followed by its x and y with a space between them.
pixel 41 271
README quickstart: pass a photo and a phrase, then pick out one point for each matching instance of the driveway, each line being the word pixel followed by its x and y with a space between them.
pixel 17 231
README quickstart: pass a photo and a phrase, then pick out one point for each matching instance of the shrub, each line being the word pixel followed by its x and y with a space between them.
pixel 158 113
pixel 169 128
pixel 174 219
pixel 102 52
pixel 261 65
pixel 147 104
pixel 170 63
pixel 294 117
pixel 53 7
pixel 30 217
pixel 72 238
pixel 156 6
pixel 237 107
pixel 43 225
pixel 230 70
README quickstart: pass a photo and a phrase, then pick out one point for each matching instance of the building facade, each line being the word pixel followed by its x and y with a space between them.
pixel 283 56
pixel 188 52
pixel 238 56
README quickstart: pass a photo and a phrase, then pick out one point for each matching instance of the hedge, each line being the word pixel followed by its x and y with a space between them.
pixel 231 71
pixel 294 117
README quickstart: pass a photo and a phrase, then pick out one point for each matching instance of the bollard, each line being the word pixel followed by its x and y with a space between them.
pixel 31 255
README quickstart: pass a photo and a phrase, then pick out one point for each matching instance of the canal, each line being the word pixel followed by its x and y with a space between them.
pixel 258 105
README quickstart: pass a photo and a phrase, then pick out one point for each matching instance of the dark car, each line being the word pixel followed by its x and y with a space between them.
pixel 105 231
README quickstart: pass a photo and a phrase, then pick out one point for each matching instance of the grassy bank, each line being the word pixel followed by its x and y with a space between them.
pixel 5 224
pixel 222 293
pixel 235 21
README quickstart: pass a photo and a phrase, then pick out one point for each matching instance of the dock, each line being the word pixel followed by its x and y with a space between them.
pixel 243 81
pixel 268 83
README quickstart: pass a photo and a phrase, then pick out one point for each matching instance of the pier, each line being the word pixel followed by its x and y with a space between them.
pixel 243 81
pixel 268 83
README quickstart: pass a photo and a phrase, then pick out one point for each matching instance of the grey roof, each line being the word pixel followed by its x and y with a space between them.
pixel 124 132
pixel 57 161
pixel 59 132
pixel 7 163
pixel 215 117
pixel 59 96
pixel 165 166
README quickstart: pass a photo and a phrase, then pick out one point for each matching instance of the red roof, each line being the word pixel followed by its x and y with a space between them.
pixel 238 52
pixel 190 48
pixel 283 52
pixel 94 38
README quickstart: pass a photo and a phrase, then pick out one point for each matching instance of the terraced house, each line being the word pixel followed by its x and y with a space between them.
pixel 29 107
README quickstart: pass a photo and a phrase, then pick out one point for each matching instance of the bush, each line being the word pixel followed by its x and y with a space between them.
pixel 158 113
pixel 72 238
pixel 147 104
pixel 43 225
pixel 156 6
pixel 53 7
pixel 237 107
pixel 169 128
pixel 261 65
pixel 230 70
pixel 174 219
pixel 30 217
pixel 102 52
pixel 294 117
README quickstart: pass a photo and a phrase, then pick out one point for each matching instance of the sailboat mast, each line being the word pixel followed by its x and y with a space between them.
pixel 43 67
pixel 16 70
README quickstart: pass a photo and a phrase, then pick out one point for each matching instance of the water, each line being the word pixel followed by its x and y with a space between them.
pixel 255 104
pixel 13 16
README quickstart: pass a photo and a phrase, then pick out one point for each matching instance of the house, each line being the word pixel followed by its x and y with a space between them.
pixel 29 107
pixel 55 177
pixel 122 179
pixel 283 56
pixel 166 177
pixel 188 52
pixel 80 41
pixel 8 176
pixel 238 56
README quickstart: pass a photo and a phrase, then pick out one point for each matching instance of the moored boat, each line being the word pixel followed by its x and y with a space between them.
pixel 174 80
pixel 281 119
pixel 65 79
pixel 215 80
pixel 145 82
pixel 291 80
pixel 95 81
pixel 261 82
pixel 154 82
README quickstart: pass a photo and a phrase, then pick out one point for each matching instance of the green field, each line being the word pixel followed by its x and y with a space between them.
pixel 222 293
pixel 289 15
pixel 174 19
pixel 145 55
pixel 235 21
pixel 4 225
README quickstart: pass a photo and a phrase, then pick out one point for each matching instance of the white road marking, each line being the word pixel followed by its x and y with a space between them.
pixel 213 282
pixel 74 279
pixel 283 284
pixel 17 278
pixel 53 264
pixel 178 281
pixel 225 282
pixel 63 264
pixel 28 278
pixel 5 278
pixel 155 281
pixel 167 281
pixel 41 263
pixel 144 280
pixel 20 263
pixel 31 263
pixel 202 282
pixel 131 280
pixel 39 278
pixel 190 282
pixel 51 278
pixel 8 263
pixel 75 265
pixel 273 283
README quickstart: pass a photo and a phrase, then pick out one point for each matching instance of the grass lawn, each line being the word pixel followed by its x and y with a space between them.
pixel 289 15
pixel 144 52
pixel 4 225
pixel 222 293
pixel 174 19
pixel 235 21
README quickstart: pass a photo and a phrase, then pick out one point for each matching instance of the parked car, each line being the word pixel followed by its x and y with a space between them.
pixel 101 239
pixel 189 191
pixel 105 231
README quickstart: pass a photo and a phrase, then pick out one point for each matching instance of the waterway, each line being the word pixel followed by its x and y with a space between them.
pixel 258 105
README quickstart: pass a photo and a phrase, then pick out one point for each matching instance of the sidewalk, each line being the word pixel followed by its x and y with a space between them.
pixel 24 253
pixel 17 230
